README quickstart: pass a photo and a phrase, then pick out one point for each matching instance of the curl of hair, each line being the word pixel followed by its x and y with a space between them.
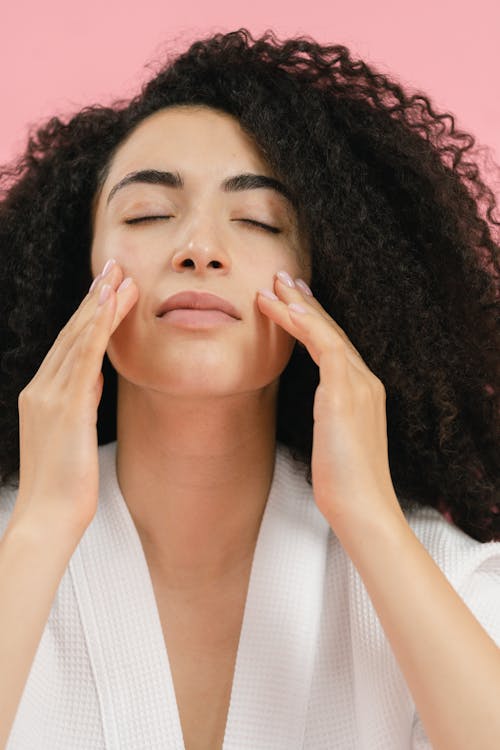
pixel 389 206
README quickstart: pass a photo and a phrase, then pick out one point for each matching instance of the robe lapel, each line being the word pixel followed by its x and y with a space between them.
pixel 275 658
pixel 278 639
pixel 122 625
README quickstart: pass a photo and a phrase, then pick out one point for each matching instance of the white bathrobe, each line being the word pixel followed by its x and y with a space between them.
pixel 314 669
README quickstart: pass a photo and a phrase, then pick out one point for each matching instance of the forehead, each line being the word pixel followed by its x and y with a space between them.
pixel 189 134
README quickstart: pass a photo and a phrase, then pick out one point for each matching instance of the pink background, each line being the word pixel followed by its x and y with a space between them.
pixel 57 57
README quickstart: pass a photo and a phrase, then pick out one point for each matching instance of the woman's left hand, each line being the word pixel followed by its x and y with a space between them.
pixel 349 465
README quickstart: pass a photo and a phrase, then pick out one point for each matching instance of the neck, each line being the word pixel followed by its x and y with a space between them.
pixel 196 475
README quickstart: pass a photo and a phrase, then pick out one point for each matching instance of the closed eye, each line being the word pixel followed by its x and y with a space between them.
pixel 145 218
pixel 266 227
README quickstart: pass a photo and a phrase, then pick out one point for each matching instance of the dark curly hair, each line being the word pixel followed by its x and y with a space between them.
pixel 401 257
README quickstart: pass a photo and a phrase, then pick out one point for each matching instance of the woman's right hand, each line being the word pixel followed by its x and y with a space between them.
pixel 59 467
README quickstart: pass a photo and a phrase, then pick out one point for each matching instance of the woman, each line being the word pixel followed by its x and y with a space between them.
pixel 256 555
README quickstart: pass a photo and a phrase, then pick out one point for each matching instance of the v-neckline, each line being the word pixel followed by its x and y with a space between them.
pixel 275 655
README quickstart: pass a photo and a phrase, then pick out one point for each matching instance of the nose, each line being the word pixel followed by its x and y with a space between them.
pixel 200 256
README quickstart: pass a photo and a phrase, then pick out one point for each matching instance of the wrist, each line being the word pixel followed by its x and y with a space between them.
pixel 356 530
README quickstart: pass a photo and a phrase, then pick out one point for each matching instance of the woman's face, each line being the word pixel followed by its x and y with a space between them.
pixel 206 244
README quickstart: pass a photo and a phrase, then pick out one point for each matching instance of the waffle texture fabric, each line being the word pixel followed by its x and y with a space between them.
pixel 314 669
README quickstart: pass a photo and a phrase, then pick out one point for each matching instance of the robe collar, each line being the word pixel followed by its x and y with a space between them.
pixel 279 634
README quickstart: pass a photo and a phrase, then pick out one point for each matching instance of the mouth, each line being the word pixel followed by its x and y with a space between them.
pixel 199 301
pixel 192 318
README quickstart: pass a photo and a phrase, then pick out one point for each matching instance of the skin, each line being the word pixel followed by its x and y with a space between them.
pixel 196 408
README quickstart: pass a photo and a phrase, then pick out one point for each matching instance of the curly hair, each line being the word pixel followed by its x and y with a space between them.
pixel 401 257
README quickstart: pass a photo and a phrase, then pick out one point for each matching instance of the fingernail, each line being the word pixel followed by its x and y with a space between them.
pixel 107 267
pixel 124 285
pixel 285 278
pixel 302 285
pixel 296 308
pixel 105 292
pixel 268 293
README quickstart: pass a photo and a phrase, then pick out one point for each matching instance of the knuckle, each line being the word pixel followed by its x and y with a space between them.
pixel 31 399
pixel 89 340
pixel 61 336
pixel 26 395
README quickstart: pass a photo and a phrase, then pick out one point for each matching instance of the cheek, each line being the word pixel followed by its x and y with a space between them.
pixel 97 259
pixel 291 262
pixel 274 343
pixel 280 355
pixel 125 250
pixel 265 276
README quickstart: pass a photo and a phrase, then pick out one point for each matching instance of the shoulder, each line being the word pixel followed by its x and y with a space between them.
pixel 456 552
pixel 472 567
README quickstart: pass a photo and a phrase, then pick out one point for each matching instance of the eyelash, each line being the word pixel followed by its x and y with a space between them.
pixel 266 227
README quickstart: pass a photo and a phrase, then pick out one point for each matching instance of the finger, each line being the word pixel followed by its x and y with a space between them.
pixel 106 318
pixel 317 332
pixel 77 323
pixel 113 276
pixel 308 296
pixel 79 372
pixel 296 294
pixel 61 366
pixel 276 309
pixel 80 318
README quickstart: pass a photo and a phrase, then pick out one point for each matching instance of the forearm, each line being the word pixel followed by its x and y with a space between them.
pixel 32 564
pixel 450 664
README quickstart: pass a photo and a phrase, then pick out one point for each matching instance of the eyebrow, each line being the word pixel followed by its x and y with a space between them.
pixel 236 183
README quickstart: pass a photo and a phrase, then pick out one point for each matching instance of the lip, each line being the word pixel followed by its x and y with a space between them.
pixel 196 319
pixel 195 300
